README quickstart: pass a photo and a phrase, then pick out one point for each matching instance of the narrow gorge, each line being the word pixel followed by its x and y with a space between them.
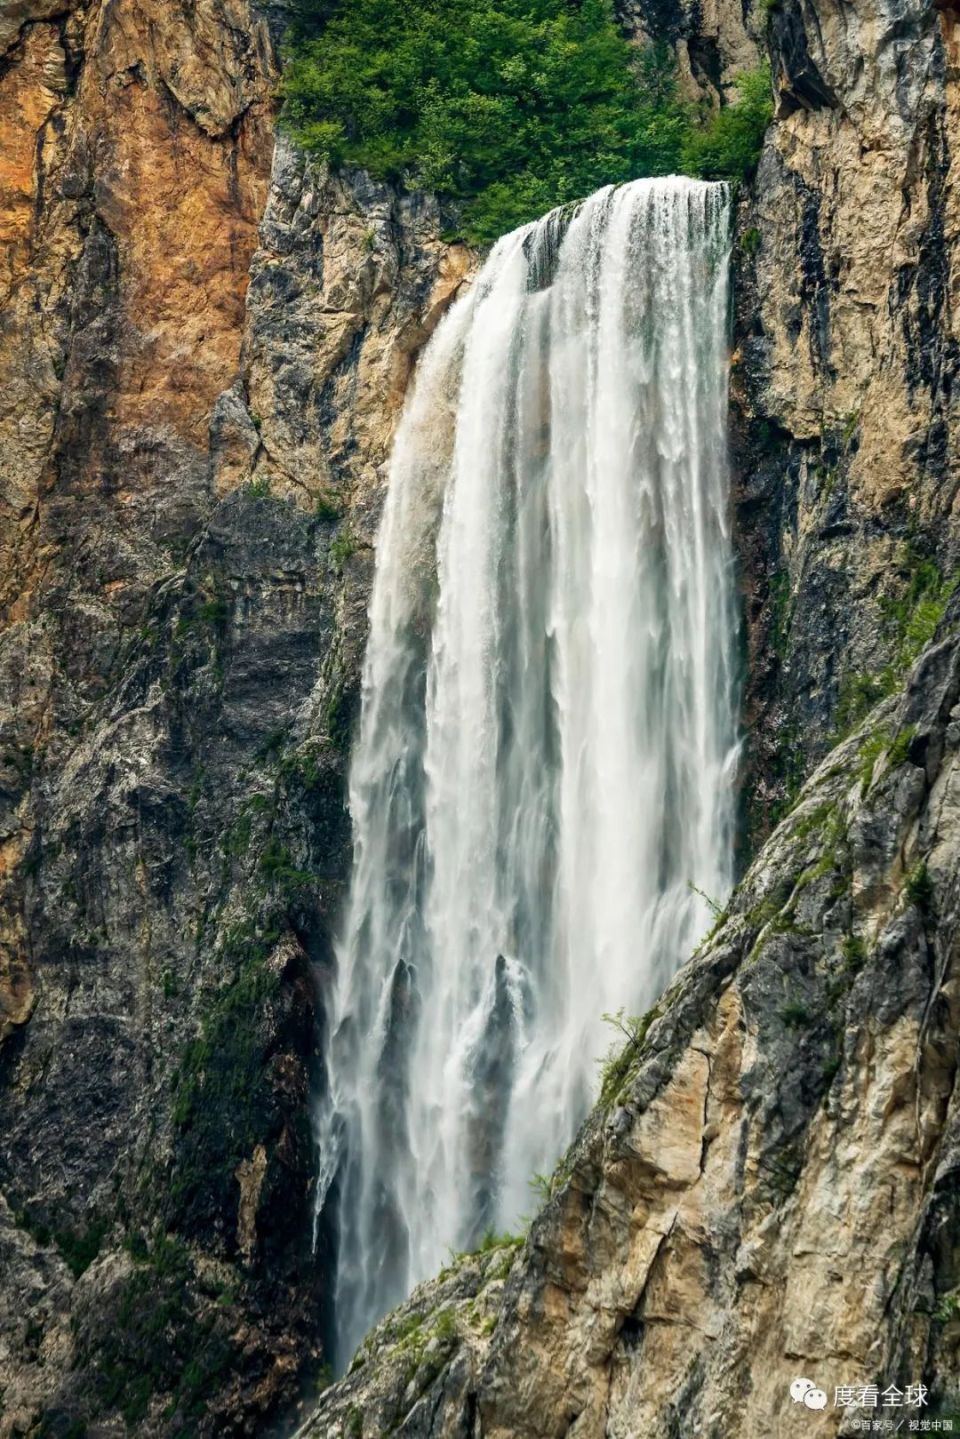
pixel 416 645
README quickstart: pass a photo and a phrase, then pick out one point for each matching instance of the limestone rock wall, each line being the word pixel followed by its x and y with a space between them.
pixel 768 1189
pixel 203 349
pixel 204 346
pixel 844 367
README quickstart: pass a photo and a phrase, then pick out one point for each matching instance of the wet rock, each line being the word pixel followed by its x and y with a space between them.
pixel 204 345
pixel 754 1203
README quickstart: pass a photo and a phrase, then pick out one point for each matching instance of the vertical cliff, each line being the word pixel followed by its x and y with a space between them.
pixel 844 373
pixel 204 345
pixel 203 349
pixel 768 1187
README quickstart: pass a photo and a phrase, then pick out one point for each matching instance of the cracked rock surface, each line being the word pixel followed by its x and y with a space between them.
pixel 205 342
pixel 204 346
pixel 770 1186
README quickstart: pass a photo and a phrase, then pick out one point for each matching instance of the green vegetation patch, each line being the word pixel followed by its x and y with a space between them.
pixel 892 744
pixel 342 546
pixel 789 769
pixel 505 1245
pixel 915 615
pixel 508 108
pixel 909 622
pixel 919 889
pixel 223 1101
pixel 493 1240
pixel 167 1338
pixel 328 508
pixel 795 1015
pixel 340 714
pixel 727 146
pixel 854 952
pixel 209 608
pixel 276 864
pixel 620 1059
pixel 78 1247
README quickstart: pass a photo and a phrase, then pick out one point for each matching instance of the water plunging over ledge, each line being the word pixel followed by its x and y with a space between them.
pixel 547 743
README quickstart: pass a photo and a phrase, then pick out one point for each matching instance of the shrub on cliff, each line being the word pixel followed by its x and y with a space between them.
pixel 727 147
pixel 509 108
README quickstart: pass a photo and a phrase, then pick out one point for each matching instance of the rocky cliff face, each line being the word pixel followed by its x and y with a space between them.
pixel 768 1187
pixel 844 371
pixel 204 346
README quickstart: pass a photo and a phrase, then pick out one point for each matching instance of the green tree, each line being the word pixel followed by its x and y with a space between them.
pixel 727 147
pixel 507 108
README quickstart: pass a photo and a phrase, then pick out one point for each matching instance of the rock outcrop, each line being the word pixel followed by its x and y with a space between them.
pixel 204 348
pixel 844 371
pixel 768 1187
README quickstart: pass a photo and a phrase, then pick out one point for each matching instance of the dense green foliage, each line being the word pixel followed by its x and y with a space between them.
pixel 510 108
pixel 728 146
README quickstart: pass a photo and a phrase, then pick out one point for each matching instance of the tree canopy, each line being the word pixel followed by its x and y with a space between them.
pixel 508 108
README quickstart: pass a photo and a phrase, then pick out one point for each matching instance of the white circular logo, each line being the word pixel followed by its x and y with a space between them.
pixel 815 1399
pixel 799 1388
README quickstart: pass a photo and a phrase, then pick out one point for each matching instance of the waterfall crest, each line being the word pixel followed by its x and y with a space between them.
pixel 547 742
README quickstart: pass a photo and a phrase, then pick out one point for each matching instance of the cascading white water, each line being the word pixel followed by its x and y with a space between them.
pixel 547 743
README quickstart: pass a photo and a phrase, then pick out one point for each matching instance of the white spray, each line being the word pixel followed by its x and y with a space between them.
pixel 543 776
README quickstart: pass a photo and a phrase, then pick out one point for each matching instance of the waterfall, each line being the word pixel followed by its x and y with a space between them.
pixel 542 781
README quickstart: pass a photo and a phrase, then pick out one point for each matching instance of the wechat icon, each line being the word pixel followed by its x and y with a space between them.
pixel 804 1391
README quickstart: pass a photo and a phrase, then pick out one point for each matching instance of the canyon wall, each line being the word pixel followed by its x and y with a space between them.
pixel 767 1189
pixel 204 346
